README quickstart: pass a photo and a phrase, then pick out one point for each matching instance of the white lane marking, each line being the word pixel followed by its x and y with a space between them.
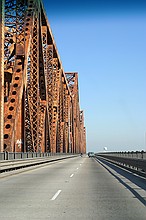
pixel 56 194
pixel 71 175
pixel 77 168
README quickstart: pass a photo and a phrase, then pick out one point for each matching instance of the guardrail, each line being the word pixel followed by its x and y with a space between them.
pixel 134 161
pixel 23 155
pixel 17 163
pixel 127 154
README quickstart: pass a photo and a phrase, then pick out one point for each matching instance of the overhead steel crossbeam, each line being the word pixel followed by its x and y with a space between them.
pixel 39 103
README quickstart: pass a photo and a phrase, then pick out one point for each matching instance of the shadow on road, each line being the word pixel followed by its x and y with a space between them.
pixel 140 182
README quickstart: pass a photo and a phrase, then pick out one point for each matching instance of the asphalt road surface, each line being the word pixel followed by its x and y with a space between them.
pixel 72 189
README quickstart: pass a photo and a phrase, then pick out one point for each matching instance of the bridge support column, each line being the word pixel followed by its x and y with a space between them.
pixel 1 73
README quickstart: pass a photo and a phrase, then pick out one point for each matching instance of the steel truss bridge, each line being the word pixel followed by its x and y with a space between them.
pixel 39 102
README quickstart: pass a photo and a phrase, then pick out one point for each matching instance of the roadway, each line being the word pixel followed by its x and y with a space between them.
pixel 72 189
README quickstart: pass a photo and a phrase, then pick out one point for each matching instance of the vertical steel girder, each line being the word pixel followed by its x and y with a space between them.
pixel 39 103
pixel 33 94
pixel 78 130
pixel 82 133
pixel 1 73
pixel 14 65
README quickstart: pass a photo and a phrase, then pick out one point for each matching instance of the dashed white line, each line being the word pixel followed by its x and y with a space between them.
pixel 56 195
pixel 71 175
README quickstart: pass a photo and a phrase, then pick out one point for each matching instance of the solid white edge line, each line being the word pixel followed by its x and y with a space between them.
pixel 56 194
pixel 71 175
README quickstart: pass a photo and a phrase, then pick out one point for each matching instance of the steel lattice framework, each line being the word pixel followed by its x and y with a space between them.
pixel 39 103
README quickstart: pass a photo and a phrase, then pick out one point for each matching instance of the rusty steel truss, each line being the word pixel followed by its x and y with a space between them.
pixel 39 102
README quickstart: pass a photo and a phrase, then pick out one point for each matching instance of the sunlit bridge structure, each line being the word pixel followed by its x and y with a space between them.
pixel 39 102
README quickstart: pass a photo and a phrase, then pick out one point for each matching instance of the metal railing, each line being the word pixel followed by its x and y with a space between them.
pixel 127 154
pixel 134 161
pixel 23 155
pixel 14 161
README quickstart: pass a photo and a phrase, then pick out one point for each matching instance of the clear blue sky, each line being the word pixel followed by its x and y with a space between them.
pixel 105 42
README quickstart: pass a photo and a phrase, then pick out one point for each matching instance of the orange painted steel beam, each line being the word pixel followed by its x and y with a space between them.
pixel 1 73
pixel 78 133
pixel 38 101
pixel 82 133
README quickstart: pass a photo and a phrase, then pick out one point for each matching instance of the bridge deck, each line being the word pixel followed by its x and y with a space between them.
pixel 77 188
